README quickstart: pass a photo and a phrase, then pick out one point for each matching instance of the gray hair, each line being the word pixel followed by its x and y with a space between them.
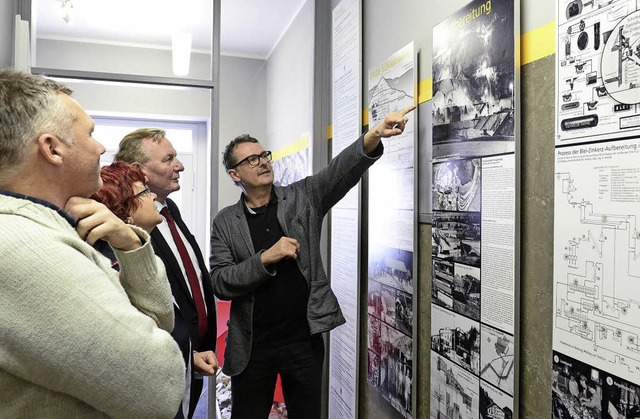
pixel 29 107
pixel 130 149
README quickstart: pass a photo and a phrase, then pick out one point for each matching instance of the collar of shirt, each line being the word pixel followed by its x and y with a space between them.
pixel 159 205
pixel 42 202
pixel 248 210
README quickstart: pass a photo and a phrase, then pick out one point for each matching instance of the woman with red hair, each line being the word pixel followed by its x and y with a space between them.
pixel 125 193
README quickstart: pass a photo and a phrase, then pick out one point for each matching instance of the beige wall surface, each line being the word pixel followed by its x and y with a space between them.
pixel 6 33
pixel 289 91
pixel 242 111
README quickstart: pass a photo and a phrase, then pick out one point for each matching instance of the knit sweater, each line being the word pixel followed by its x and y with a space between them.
pixel 76 339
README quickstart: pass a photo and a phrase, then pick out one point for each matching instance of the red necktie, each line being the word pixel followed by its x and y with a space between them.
pixel 192 276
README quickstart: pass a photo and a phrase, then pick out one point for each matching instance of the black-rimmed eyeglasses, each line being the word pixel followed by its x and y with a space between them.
pixel 254 159
pixel 144 192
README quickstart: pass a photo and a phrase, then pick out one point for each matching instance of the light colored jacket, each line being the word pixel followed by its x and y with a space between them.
pixel 236 270
pixel 74 342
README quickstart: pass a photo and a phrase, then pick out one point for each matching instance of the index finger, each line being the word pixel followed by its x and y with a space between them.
pixel 407 110
pixel 291 240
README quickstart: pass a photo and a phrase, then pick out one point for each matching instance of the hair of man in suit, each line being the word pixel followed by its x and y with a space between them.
pixel 130 150
pixel 228 157
pixel 29 106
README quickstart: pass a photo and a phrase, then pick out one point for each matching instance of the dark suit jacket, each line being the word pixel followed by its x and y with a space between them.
pixel 179 285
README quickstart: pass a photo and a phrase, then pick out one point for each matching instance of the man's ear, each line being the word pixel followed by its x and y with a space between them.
pixel 51 148
pixel 234 175
pixel 139 166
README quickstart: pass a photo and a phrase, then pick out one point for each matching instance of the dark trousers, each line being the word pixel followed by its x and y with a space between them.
pixel 300 367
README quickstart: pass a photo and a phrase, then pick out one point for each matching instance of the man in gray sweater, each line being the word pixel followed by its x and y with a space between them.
pixel 76 339
pixel 265 258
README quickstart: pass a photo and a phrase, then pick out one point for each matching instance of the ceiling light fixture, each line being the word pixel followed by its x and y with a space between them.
pixel 66 11
pixel 181 53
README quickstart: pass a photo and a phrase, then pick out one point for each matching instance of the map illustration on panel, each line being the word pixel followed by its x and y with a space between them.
pixel 497 358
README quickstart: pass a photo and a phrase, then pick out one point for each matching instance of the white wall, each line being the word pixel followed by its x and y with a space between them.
pixel 6 33
pixel 107 58
pixel 272 100
pixel 126 98
pixel 153 102
pixel 535 13
pixel 290 83
pixel 242 111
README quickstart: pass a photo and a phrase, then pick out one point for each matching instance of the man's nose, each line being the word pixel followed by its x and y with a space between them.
pixel 179 166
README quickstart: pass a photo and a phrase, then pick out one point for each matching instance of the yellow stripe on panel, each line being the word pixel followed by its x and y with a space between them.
pixel 538 43
pixel 425 90
pixel 291 148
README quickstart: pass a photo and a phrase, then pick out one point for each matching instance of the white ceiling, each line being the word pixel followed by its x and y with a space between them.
pixel 253 28
pixel 249 28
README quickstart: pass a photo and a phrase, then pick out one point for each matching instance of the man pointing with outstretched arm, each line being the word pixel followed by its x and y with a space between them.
pixel 265 258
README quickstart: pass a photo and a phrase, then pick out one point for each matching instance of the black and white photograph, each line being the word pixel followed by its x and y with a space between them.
pixel 577 390
pixel 466 291
pixel 375 342
pixel 374 300
pixel 456 237
pixel 404 312
pixel 396 308
pixel 497 358
pixel 473 81
pixel 494 403
pixel 456 338
pixel 581 389
pixel 391 266
pixel 373 368
pixel 388 299
pixel 620 398
pixel 454 391
pixel 457 185
pixel 396 369
pixel 442 283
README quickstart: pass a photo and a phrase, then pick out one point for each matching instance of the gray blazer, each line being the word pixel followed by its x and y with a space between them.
pixel 236 270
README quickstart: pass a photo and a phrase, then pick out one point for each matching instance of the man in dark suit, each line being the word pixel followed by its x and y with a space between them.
pixel 177 247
